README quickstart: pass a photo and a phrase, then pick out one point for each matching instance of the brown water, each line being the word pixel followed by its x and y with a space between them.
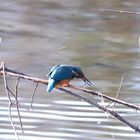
pixel 38 34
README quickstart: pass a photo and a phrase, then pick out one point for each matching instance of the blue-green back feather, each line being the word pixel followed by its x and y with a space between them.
pixel 61 72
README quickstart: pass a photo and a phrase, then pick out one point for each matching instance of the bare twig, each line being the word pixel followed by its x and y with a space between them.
pixel 11 120
pixel 10 101
pixel 139 46
pixel 5 81
pixel 33 96
pixel 17 103
pixel 120 86
pixel 120 11
pixel 11 93
pixel 103 104
pixel 16 87
pixel 119 89
pixel 0 40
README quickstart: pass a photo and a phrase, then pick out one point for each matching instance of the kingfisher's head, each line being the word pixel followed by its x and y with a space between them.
pixel 77 73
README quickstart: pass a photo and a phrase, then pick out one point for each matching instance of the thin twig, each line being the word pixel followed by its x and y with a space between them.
pixel 16 87
pixel 118 92
pixel 11 93
pixel 120 11
pixel 139 46
pixel 103 104
pixel 17 104
pixel 33 96
pixel 0 40
pixel 11 120
pixel 5 82
pixel 10 101
pixel 119 89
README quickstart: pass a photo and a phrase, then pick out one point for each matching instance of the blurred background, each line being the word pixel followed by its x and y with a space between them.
pixel 38 34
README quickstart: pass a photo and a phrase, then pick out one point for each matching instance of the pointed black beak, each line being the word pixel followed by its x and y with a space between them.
pixel 86 81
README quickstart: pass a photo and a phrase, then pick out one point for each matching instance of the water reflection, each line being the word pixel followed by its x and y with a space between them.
pixel 65 119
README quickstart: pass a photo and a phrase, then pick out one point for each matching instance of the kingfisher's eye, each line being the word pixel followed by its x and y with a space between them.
pixel 77 74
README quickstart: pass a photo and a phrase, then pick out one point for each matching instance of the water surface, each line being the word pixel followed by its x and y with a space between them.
pixel 39 34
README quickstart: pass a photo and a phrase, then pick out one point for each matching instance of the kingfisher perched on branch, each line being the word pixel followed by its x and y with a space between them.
pixel 61 75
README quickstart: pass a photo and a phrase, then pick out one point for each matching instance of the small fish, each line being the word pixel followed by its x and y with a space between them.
pixel 61 75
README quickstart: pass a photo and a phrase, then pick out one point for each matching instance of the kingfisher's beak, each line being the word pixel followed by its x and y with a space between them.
pixel 86 81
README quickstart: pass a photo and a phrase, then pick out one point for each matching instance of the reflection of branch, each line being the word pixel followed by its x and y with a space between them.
pixel 92 102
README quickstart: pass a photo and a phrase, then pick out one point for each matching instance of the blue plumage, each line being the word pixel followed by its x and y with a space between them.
pixel 51 84
pixel 64 72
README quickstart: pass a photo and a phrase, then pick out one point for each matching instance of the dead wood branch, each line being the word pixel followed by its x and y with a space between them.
pixel 10 72
pixel 119 11
pixel 33 96
pixel 112 113
pixel 43 81
pixel 107 97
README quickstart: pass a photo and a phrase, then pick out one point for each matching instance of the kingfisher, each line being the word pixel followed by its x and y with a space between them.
pixel 61 75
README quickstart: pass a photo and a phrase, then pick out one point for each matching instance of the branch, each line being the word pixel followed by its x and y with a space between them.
pixel 112 113
pixel 38 80
pixel 107 97
pixel 14 73
pixel 31 107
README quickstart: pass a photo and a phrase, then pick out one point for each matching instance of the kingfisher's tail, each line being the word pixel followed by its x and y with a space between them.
pixel 51 84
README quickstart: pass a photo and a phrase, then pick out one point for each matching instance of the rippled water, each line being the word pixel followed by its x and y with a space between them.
pixel 38 34
pixel 66 119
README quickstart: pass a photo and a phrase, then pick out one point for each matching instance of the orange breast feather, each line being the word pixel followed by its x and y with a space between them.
pixel 63 83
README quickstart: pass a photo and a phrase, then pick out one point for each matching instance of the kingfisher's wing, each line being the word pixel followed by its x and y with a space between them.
pixel 53 68
pixel 51 84
pixel 57 74
pixel 61 72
